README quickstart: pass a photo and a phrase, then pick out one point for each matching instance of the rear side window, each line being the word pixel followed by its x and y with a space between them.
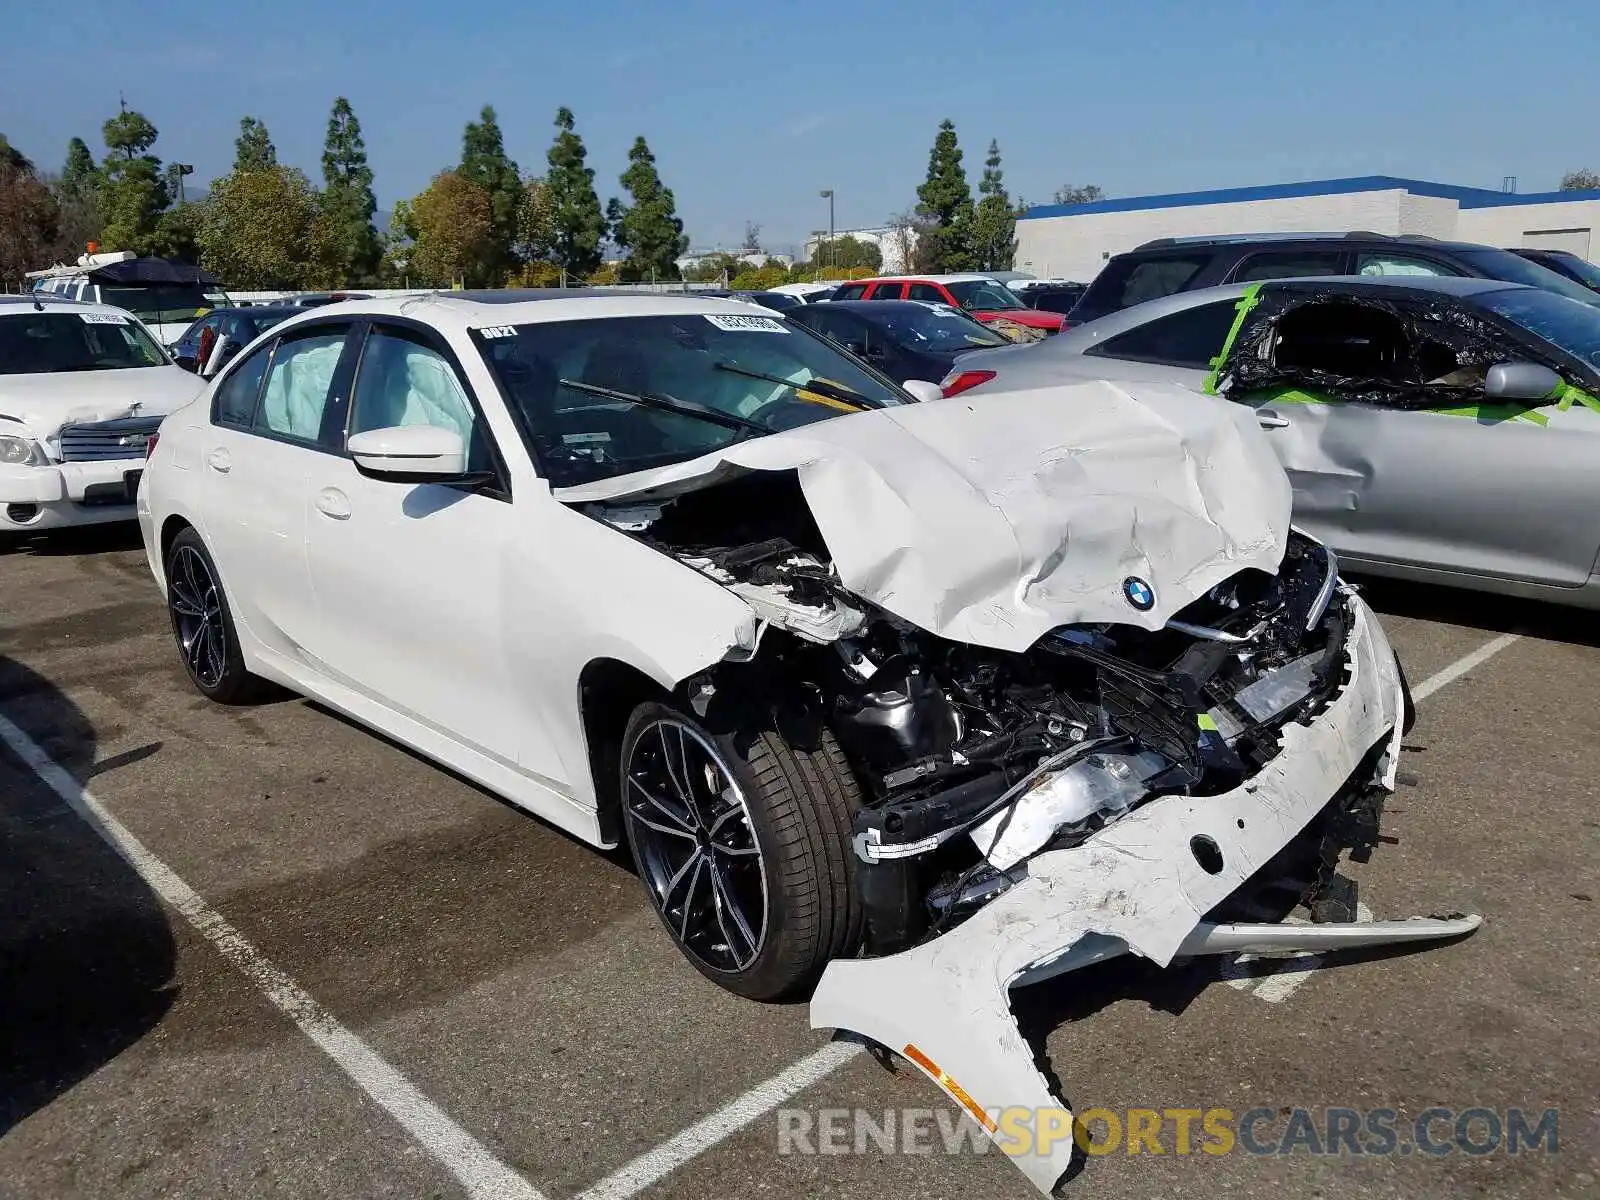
pixel 1126 281
pixel 926 291
pixel 888 291
pixel 1288 264
pixel 1186 339
pixel 236 395
pixel 298 384
pixel 852 291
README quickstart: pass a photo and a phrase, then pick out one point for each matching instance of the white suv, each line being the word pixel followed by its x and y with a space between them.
pixel 82 389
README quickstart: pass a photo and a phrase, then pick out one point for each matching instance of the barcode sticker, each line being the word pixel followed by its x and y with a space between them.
pixel 742 324
pixel 103 318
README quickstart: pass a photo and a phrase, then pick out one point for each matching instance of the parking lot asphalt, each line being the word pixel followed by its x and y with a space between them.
pixel 516 979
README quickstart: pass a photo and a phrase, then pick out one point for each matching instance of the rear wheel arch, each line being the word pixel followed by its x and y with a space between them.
pixel 170 529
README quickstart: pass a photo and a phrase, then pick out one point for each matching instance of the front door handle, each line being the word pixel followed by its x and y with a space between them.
pixel 1268 419
pixel 219 460
pixel 331 502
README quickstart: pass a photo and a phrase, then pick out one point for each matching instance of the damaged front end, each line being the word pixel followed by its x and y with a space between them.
pixel 1035 804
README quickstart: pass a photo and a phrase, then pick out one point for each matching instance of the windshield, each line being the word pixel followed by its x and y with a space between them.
pixel 1581 269
pixel 1573 327
pixel 1513 268
pixel 567 383
pixel 43 343
pixel 917 326
pixel 161 303
pixel 983 294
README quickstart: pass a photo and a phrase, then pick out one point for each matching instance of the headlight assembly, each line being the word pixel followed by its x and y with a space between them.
pixel 20 452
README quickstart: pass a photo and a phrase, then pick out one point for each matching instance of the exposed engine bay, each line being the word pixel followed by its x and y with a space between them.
pixel 971 759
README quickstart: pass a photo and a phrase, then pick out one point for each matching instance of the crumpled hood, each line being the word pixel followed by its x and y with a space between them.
pixel 44 403
pixel 994 518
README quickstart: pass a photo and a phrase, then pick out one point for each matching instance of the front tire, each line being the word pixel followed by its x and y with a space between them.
pixel 743 843
pixel 202 624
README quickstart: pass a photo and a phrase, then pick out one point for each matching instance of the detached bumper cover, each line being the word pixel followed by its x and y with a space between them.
pixel 1139 886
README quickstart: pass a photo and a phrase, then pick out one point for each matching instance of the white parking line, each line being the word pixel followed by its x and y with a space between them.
pixel 725 1122
pixel 482 1175
pixel 764 1097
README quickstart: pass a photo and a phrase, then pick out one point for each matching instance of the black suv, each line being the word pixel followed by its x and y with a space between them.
pixel 1565 262
pixel 1168 265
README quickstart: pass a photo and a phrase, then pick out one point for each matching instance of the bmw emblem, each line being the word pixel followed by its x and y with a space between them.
pixel 1138 593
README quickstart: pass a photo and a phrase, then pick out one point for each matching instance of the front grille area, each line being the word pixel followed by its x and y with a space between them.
pixel 105 440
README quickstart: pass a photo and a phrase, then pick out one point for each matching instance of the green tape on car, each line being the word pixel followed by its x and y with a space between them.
pixel 1247 300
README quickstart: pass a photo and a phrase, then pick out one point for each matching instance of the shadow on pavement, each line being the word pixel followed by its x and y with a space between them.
pixel 85 539
pixel 1480 610
pixel 87 955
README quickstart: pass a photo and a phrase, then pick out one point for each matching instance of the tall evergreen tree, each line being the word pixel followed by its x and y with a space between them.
pixel 80 176
pixel 347 199
pixel 575 212
pixel 484 162
pixel 253 149
pixel 649 228
pixel 945 200
pixel 994 224
pixel 133 194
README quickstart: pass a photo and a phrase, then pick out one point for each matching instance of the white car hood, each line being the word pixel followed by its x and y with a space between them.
pixel 44 403
pixel 992 519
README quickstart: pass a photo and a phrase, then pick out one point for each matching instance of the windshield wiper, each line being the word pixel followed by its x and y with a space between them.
pixel 650 400
pixel 833 391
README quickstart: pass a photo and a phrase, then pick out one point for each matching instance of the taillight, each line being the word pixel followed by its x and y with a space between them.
pixel 150 444
pixel 960 381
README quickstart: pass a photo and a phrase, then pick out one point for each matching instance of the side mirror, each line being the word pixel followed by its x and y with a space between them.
pixel 923 390
pixel 1521 381
pixel 411 454
pixel 187 363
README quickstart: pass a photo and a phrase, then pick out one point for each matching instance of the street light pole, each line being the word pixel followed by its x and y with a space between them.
pixel 827 194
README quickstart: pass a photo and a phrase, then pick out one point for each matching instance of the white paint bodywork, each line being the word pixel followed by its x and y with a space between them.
pixel 1136 887
pixel 37 406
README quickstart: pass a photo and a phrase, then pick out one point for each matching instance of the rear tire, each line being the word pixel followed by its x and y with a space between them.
pixel 202 624
pixel 743 819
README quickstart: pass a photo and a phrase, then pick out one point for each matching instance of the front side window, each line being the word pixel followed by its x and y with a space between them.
pixel 927 291
pixel 1288 264
pixel 1185 339
pixel 851 291
pixel 888 291
pixel 298 384
pixel 43 343
pixel 1398 264
pixel 610 396
pixel 402 381
pixel 984 295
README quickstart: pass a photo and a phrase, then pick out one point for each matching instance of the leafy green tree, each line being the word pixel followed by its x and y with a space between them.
pixel 1068 194
pixel 536 228
pixel 484 162
pixel 177 233
pixel 574 206
pixel 648 228
pixel 994 224
pixel 945 200
pixel 133 194
pixel 80 175
pixel 347 199
pixel 29 218
pixel 453 227
pixel 847 253
pixel 265 229
pixel 253 149
pixel 1583 180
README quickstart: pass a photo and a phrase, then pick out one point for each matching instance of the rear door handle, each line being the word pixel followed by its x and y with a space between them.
pixel 1268 419
pixel 219 460
pixel 331 502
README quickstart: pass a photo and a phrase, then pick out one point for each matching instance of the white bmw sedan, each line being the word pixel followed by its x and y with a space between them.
pixel 938 696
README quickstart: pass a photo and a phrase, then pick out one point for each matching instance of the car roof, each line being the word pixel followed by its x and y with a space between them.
pixel 960 277
pixel 1278 241
pixel 16 305
pixel 464 310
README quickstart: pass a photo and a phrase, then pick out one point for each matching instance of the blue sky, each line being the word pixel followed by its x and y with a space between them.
pixel 751 108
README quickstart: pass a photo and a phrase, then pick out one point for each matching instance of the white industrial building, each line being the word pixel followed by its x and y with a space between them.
pixel 1072 241
pixel 894 242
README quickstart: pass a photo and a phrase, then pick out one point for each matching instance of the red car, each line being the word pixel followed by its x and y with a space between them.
pixel 985 298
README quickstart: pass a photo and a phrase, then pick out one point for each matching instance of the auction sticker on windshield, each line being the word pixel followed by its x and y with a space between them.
pixel 742 324
pixel 99 318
